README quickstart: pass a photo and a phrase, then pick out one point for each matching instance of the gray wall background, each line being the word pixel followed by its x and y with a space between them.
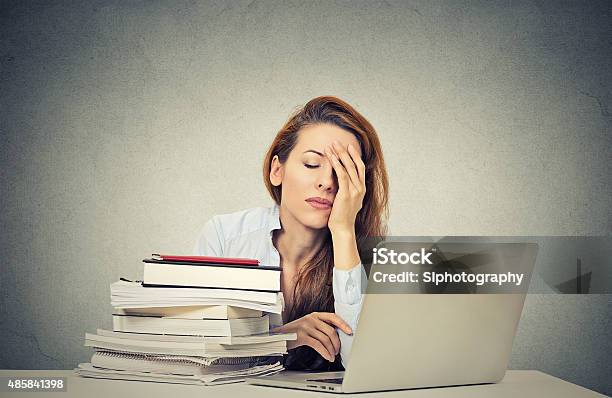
pixel 126 125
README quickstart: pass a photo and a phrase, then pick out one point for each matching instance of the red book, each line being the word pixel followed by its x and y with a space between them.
pixel 206 259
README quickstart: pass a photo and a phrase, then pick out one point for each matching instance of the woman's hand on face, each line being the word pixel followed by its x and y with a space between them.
pixel 350 171
pixel 317 330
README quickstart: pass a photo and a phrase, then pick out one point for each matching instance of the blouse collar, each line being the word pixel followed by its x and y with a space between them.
pixel 274 219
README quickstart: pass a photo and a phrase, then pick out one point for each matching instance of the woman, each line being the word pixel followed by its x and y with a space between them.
pixel 326 174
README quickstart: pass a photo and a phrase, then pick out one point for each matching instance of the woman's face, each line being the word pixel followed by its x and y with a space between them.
pixel 308 173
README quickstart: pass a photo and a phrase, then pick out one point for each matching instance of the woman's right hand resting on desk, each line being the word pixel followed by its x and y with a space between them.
pixel 317 331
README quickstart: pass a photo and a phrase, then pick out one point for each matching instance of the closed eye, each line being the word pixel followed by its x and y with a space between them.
pixel 311 166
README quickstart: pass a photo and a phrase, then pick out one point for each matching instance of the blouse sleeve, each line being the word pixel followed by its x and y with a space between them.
pixel 208 242
pixel 348 298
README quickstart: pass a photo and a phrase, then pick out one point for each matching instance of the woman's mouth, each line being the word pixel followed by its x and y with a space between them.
pixel 320 204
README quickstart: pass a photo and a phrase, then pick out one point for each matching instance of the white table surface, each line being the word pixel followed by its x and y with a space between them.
pixel 517 383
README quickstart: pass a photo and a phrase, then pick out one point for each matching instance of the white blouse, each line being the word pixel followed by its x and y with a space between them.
pixel 248 233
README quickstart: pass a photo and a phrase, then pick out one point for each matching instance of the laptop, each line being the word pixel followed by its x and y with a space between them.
pixel 430 338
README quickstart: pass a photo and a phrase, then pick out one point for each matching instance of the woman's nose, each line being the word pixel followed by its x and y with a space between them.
pixel 327 181
pixel 326 187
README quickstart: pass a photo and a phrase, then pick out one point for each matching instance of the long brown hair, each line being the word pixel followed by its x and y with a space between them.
pixel 313 288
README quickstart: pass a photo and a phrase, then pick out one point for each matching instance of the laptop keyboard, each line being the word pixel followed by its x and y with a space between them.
pixel 334 381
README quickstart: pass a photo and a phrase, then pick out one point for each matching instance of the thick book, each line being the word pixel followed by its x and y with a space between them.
pixel 193 312
pixel 126 294
pixel 193 327
pixel 267 337
pixel 209 275
pixel 193 347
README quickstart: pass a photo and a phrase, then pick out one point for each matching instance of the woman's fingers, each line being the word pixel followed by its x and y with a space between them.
pixel 317 331
pixel 335 320
pixel 331 333
pixel 324 339
pixel 360 165
pixel 340 170
pixel 348 163
pixel 319 347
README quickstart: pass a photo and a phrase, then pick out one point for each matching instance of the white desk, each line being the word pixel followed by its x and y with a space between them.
pixel 517 383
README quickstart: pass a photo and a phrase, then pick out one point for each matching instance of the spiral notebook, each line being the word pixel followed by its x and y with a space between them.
pixel 176 365
pixel 187 372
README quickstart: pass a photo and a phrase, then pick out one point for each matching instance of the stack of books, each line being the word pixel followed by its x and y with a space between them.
pixel 192 320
